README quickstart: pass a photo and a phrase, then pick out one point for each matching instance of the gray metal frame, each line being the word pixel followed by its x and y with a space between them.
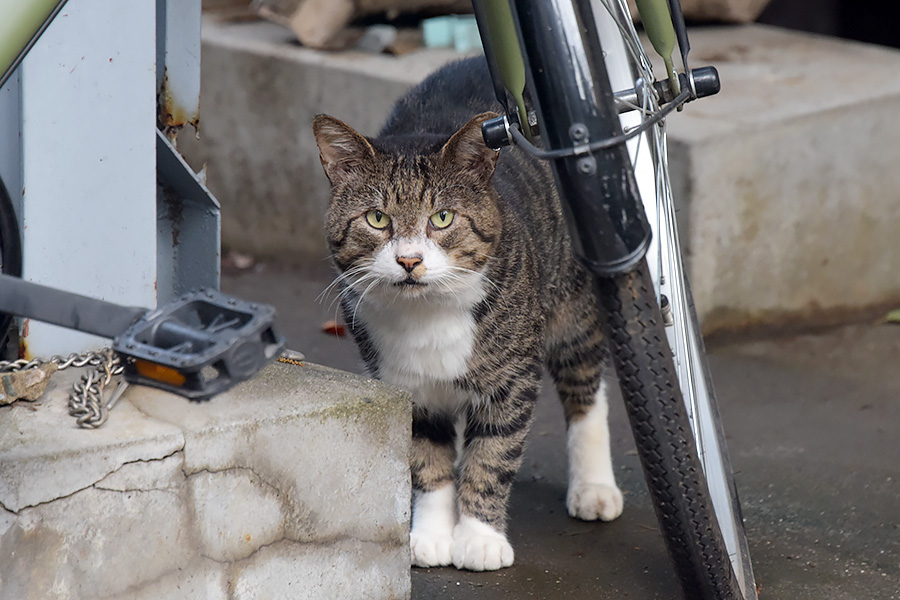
pixel 107 206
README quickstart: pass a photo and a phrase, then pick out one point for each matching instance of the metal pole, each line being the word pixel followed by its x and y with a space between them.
pixel 87 141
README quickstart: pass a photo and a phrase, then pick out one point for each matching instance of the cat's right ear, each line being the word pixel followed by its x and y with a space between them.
pixel 344 153
pixel 466 149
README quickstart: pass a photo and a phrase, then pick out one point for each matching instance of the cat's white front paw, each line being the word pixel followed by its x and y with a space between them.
pixel 592 501
pixel 430 549
pixel 433 518
pixel 479 547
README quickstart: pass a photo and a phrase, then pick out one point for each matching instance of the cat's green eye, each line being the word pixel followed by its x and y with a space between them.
pixel 442 219
pixel 377 219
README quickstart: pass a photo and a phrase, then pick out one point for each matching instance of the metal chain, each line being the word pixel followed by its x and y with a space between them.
pixel 72 360
pixel 86 398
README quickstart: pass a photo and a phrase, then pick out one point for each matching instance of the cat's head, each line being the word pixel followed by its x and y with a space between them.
pixel 410 217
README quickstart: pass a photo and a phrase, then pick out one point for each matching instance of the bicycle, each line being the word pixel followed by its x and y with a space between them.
pixel 552 76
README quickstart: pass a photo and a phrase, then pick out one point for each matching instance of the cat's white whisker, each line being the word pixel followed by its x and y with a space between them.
pixel 396 295
pixel 361 297
pixel 321 297
pixel 349 273
pixel 486 279
pixel 350 288
pixel 449 289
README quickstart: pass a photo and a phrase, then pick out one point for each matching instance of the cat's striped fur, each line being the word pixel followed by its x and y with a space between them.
pixel 466 316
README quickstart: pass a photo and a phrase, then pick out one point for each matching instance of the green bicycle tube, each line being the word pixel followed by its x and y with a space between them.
pixel 508 54
pixel 658 25
pixel 22 23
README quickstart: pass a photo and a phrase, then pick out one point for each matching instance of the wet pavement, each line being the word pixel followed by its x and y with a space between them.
pixel 813 425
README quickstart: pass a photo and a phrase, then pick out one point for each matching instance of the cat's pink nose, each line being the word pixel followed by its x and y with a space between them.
pixel 409 262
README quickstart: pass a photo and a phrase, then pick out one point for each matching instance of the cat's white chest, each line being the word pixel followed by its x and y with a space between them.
pixel 422 345
pixel 423 348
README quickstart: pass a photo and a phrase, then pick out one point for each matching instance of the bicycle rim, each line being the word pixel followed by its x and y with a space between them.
pixel 626 61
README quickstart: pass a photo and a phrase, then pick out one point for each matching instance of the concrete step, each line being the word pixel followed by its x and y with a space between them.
pixel 278 489
pixel 786 179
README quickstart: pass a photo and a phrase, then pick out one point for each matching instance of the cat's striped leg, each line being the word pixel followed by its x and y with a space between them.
pixel 577 363
pixel 494 443
pixel 434 507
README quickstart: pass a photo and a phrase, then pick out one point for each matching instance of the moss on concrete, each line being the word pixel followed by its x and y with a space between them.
pixel 350 396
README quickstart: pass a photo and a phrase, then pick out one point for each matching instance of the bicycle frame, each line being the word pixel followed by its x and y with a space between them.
pixel 22 25
pixel 613 236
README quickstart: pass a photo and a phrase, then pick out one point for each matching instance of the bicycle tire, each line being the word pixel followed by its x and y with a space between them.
pixel 663 436
pixel 10 253
pixel 664 424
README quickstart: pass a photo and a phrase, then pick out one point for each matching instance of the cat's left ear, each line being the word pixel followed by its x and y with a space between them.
pixel 467 150
pixel 344 153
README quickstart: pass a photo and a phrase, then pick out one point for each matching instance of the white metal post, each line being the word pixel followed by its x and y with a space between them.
pixel 88 160
pixel 78 151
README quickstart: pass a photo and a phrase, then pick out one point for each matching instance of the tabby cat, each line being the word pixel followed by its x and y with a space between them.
pixel 459 283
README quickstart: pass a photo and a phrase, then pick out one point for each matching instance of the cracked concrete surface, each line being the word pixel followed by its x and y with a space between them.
pixel 261 492
pixel 44 456
pixel 256 506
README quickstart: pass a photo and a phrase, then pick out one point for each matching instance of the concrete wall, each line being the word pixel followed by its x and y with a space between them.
pixel 785 179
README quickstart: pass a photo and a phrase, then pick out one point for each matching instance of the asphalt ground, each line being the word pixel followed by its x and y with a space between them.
pixel 813 427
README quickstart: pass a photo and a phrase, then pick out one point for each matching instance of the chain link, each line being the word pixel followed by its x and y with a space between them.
pixel 86 398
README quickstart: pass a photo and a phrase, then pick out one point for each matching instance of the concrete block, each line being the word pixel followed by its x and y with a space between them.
pixel 236 513
pixel 304 426
pixel 161 474
pixel 245 496
pixel 786 179
pixel 335 571
pixel 94 543
pixel 197 580
pixel 44 455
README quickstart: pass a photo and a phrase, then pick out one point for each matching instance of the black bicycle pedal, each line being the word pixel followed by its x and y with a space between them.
pixel 200 345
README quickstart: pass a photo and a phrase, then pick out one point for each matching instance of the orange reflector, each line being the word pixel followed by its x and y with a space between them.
pixel 158 372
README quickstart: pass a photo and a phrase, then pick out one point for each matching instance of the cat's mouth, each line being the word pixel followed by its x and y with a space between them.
pixel 409 281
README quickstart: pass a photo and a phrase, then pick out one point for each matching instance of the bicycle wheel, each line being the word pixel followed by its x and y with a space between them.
pixel 681 444
pixel 663 435
pixel 10 253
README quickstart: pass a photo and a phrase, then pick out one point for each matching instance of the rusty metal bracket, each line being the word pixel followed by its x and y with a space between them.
pixel 178 64
pixel 188 226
